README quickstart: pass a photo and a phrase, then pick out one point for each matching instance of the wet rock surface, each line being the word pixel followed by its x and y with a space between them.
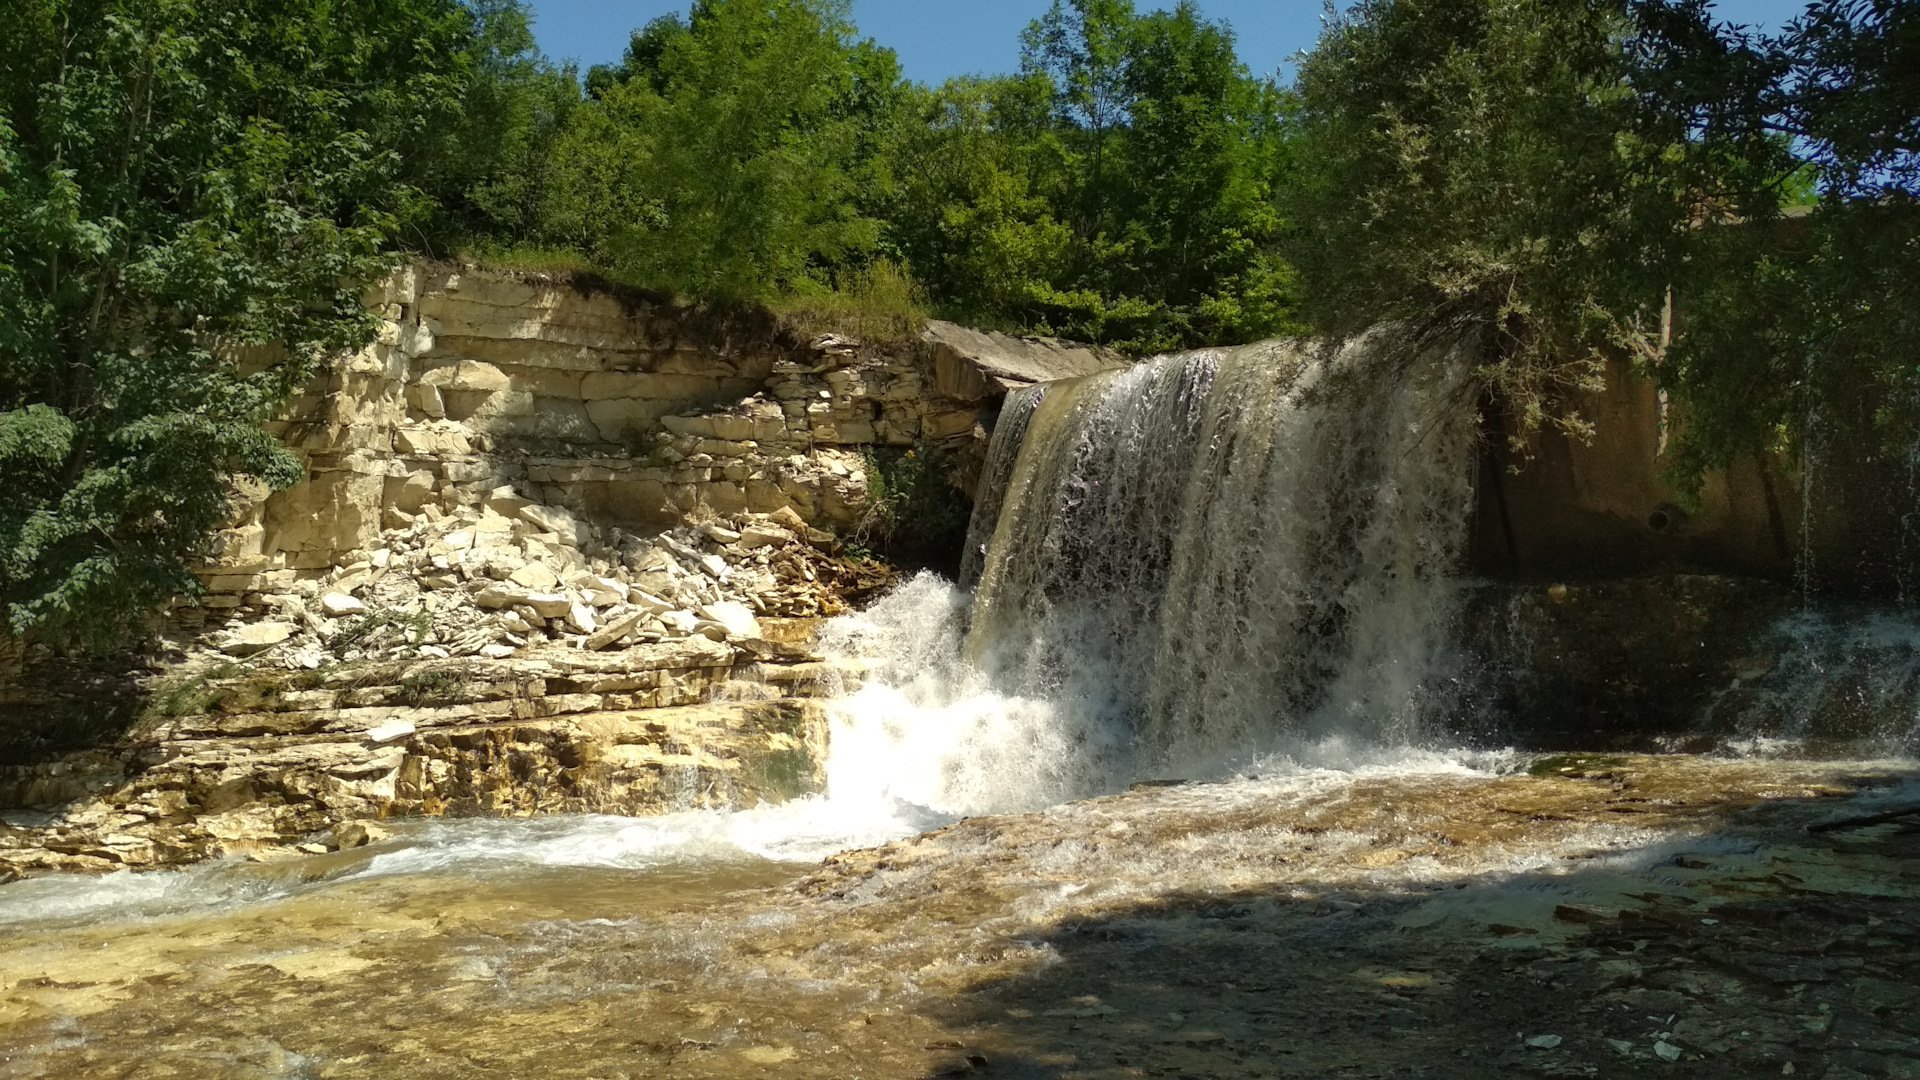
pixel 1620 917
pixel 1632 663
pixel 1688 662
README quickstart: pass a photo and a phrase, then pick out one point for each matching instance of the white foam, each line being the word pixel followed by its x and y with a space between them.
pixel 801 831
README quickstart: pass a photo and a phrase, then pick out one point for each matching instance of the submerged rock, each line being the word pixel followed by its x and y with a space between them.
pixel 355 834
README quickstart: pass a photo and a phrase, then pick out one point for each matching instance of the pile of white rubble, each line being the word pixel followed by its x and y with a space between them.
pixel 512 574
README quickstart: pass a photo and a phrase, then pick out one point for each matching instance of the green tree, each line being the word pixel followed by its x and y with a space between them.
pixel 1119 189
pixel 1198 221
pixel 735 166
pixel 189 194
pixel 1081 48
pixel 1802 327
pixel 1496 163
pixel 1852 93
pixel 965 211
pixel 1550 170
pixel 489 164
pixel 645 52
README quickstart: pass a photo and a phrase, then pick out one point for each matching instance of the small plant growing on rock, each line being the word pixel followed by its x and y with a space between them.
pixel 371 629
pixel 188 693
pixel 437 686
pixel 912 511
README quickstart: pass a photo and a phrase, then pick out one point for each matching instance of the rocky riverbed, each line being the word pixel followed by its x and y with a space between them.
pixel 1436 917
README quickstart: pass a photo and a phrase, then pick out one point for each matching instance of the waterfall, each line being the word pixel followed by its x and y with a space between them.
pixel 1016 413
pixel 1844 681
pixel 1184 568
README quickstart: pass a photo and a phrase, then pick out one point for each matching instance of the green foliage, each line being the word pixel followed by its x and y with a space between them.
pixel 188 693
pixel 646 49
pixel 381 626
pixel 1489 162
pixel 724 160
pixel 876 303
pixel 1551 170
pixel 1850 88
pixel 488 169
pixel 433 686
pixel 189 195
pixel 1119 190
pixel 912 510
pixel 1804 328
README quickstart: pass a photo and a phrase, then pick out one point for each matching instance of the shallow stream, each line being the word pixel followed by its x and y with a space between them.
pixel 1173 792
pixel 1311 922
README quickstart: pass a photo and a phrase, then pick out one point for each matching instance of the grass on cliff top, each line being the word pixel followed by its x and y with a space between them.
pixel 879 304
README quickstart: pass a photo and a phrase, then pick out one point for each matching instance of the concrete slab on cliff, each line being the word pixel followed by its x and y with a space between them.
pixel 972 366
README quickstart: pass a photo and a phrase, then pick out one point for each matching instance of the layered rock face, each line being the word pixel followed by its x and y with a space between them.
pixel 557 551
pixel 264 765
pixel 620 411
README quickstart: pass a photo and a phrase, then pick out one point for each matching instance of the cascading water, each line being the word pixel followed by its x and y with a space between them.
pixel 1214 562
pixel 1840 681
pixel 1206 560
pixel 1003 451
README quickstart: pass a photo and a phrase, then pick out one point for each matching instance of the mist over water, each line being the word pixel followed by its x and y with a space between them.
pixel 1844 681
pixel 1213 562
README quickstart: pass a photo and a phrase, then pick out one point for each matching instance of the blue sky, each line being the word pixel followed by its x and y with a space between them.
pixel 937 39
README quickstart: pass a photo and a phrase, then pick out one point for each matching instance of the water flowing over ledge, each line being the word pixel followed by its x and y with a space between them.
pixel 1208 560
pixel 1240 566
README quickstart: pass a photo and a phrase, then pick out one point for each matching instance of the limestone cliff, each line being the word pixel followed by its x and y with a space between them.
pixel 558 549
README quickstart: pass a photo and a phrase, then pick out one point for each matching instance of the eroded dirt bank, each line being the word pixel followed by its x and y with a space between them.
pixel 1602 917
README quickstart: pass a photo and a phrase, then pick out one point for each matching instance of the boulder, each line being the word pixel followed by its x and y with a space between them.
pixel 547 605
pixel 507 502
pixel 735 618
pixel 355 834
pixel 536 577
pixel 601 592
pixel 432 440
pixel 257 637
pixel 410 492
pixel 580 616
pixel 976 366
pixel 553 519
pixel 336 604
pixel 617 630
pixel 652 604
pixel 759 536
pixel 473 376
